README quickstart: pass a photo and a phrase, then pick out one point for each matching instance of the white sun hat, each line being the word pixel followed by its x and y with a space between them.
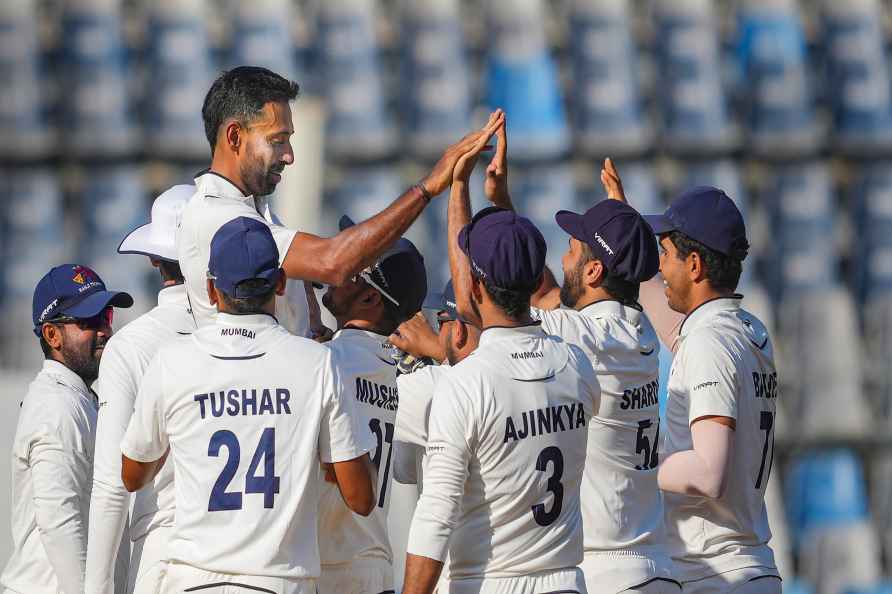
pixel 157 239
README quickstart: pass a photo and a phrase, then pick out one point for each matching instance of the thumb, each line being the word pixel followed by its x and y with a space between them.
pixel 397 341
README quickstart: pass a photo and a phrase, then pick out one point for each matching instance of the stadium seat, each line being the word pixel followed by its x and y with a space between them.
pixel 881 588
pixel 34 241
pixel 771 52
pixel 25 130
pixel 881 498
pixel 262 36
pixel 872 217
pixel 857 66
pixel 608 116
pixel 113 201
pixel 877 334
pixel 639 184
pixel 97 118
pixel 358 126
pixel 436 89
pixel 522 78
pixel 695 118
pixel 838 558
pixel 821 368
pixel 180 73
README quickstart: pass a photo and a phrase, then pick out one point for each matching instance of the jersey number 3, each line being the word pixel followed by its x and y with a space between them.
pixel 267 483
pixel 550 454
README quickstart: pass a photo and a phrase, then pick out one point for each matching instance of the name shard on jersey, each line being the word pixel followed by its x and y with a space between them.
pixel 380 395
pixel 641 397
pixel 244 402
pixel 541 421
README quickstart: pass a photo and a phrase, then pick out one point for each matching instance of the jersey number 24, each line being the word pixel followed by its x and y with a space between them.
pixel 267 483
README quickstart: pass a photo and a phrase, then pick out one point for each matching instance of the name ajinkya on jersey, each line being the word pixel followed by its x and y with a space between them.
pixel 545 420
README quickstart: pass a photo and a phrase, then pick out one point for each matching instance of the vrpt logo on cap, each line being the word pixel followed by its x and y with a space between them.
pixel 603 243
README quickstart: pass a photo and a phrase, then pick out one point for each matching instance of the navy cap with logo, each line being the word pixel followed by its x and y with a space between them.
pixel 618 236
pixel 73 291
pixel 504 248
pixel 443 302
pixel 705 214
pixel 242 250
pixel 399 274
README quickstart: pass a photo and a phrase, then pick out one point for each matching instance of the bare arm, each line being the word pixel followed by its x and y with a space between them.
pixel 334 260
pixel 548 294
pixel 137 475
pixel 702 471
pixel 354 481
pixel 421 574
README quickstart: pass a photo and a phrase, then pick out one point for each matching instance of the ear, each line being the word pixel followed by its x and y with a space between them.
pixel 52 334
pixel 233 135
pixel 696 271
pixel 593 273
pixel 280 285
pixel 459 334
pixel 476 289
pixel 369 297
pixel 212 292
pixel 155 262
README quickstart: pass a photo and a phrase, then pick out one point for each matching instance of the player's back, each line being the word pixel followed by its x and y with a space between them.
pixel 243 402
pixel 725 359
pixel 368 374
pixel 522 403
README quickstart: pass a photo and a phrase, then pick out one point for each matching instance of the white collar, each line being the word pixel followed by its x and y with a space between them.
pixel 496 333
pixel 173 295
pixel 242 320
pixel 65 376
pixel 613 308
pixel 706 310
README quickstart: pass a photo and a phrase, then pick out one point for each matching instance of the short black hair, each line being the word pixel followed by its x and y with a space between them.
pixel 722 271
pixel 248 305
pixel 170 271
pixel 514 302
pixel 624 291
pixel 241 93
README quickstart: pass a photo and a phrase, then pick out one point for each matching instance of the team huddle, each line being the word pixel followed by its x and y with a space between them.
pixel 228 442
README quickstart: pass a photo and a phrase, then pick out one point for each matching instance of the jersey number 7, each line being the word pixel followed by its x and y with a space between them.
pixel 267 483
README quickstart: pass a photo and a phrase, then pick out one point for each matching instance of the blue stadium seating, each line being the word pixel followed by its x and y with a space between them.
pixel 858 68
pixel 358 126
pixel 771 51
pixel 262 36
pixel 691 95
pixel 97 119
pixel 872 206
pixel 25 130
pixel 436 92
pixel 180 73
pixel 608 118
pixel 521 78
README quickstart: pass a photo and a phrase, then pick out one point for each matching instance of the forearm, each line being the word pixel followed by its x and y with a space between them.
pixel 701 471
pixel 335 260
pixel 665 320
pixel 458 214
pixel 421 575
pixel 547 295
pixel 108 518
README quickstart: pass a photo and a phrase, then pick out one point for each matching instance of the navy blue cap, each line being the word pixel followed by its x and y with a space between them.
pixel 74 291
pixel 443 302
pixel 243 249
pixel 399 274
pixel 618 236
pixel 504 248
pixel 707 215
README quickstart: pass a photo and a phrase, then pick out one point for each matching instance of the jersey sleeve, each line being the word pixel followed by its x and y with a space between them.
pixel 588 378
pixel 109 500
pixel 341 437
pixel 552 319
pixel 146 437
pixel 416 392
pixel 445 471
pixel 710 376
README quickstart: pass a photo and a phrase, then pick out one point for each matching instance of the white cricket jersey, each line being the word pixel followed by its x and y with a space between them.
pixel 368 374
pixel 126 357
pixel 52 468
pixel 622 508
pixel 724 366
pixel 216 202
pixel 248 411
pixel 504 461
pixel 417 392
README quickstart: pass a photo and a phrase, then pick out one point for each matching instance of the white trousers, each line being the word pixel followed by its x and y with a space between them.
pixel 657 586
pixel 148 561
pixel 362 576
pixel 562 581
pixel 181 578
pixel 750 580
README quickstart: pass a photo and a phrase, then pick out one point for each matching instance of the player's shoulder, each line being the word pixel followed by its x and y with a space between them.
pixel 421 380
pixel 727 331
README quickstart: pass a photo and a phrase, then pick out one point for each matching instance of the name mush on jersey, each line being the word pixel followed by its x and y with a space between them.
pixel 244 401
pixel 540 421
pixel 380 395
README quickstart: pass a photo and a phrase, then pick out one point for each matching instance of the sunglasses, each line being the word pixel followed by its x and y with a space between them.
pixel 367 277
pixel 97 322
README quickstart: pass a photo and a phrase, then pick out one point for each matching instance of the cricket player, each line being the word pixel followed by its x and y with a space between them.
pixel 127 355
pixel 247 120
pixel 508 425
pixel 723 386
pixel 611 251
pixel 52 451
pixel 246 411
pixel 356 552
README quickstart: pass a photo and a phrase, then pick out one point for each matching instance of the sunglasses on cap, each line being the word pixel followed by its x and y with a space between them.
pixel 366 275
pixel 97 322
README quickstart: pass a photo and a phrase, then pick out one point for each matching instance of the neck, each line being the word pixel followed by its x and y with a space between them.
pixel 366 325
pixel 61 361
pixel 171 283
pixel 592 295
pixel 223 164
pixel 708 294
pixel 493 316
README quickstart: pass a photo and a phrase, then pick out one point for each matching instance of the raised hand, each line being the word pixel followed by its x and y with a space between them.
pixel 466 162
pixel 613 185
pixel 416 337
pixel 495 185
pixel 441 175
